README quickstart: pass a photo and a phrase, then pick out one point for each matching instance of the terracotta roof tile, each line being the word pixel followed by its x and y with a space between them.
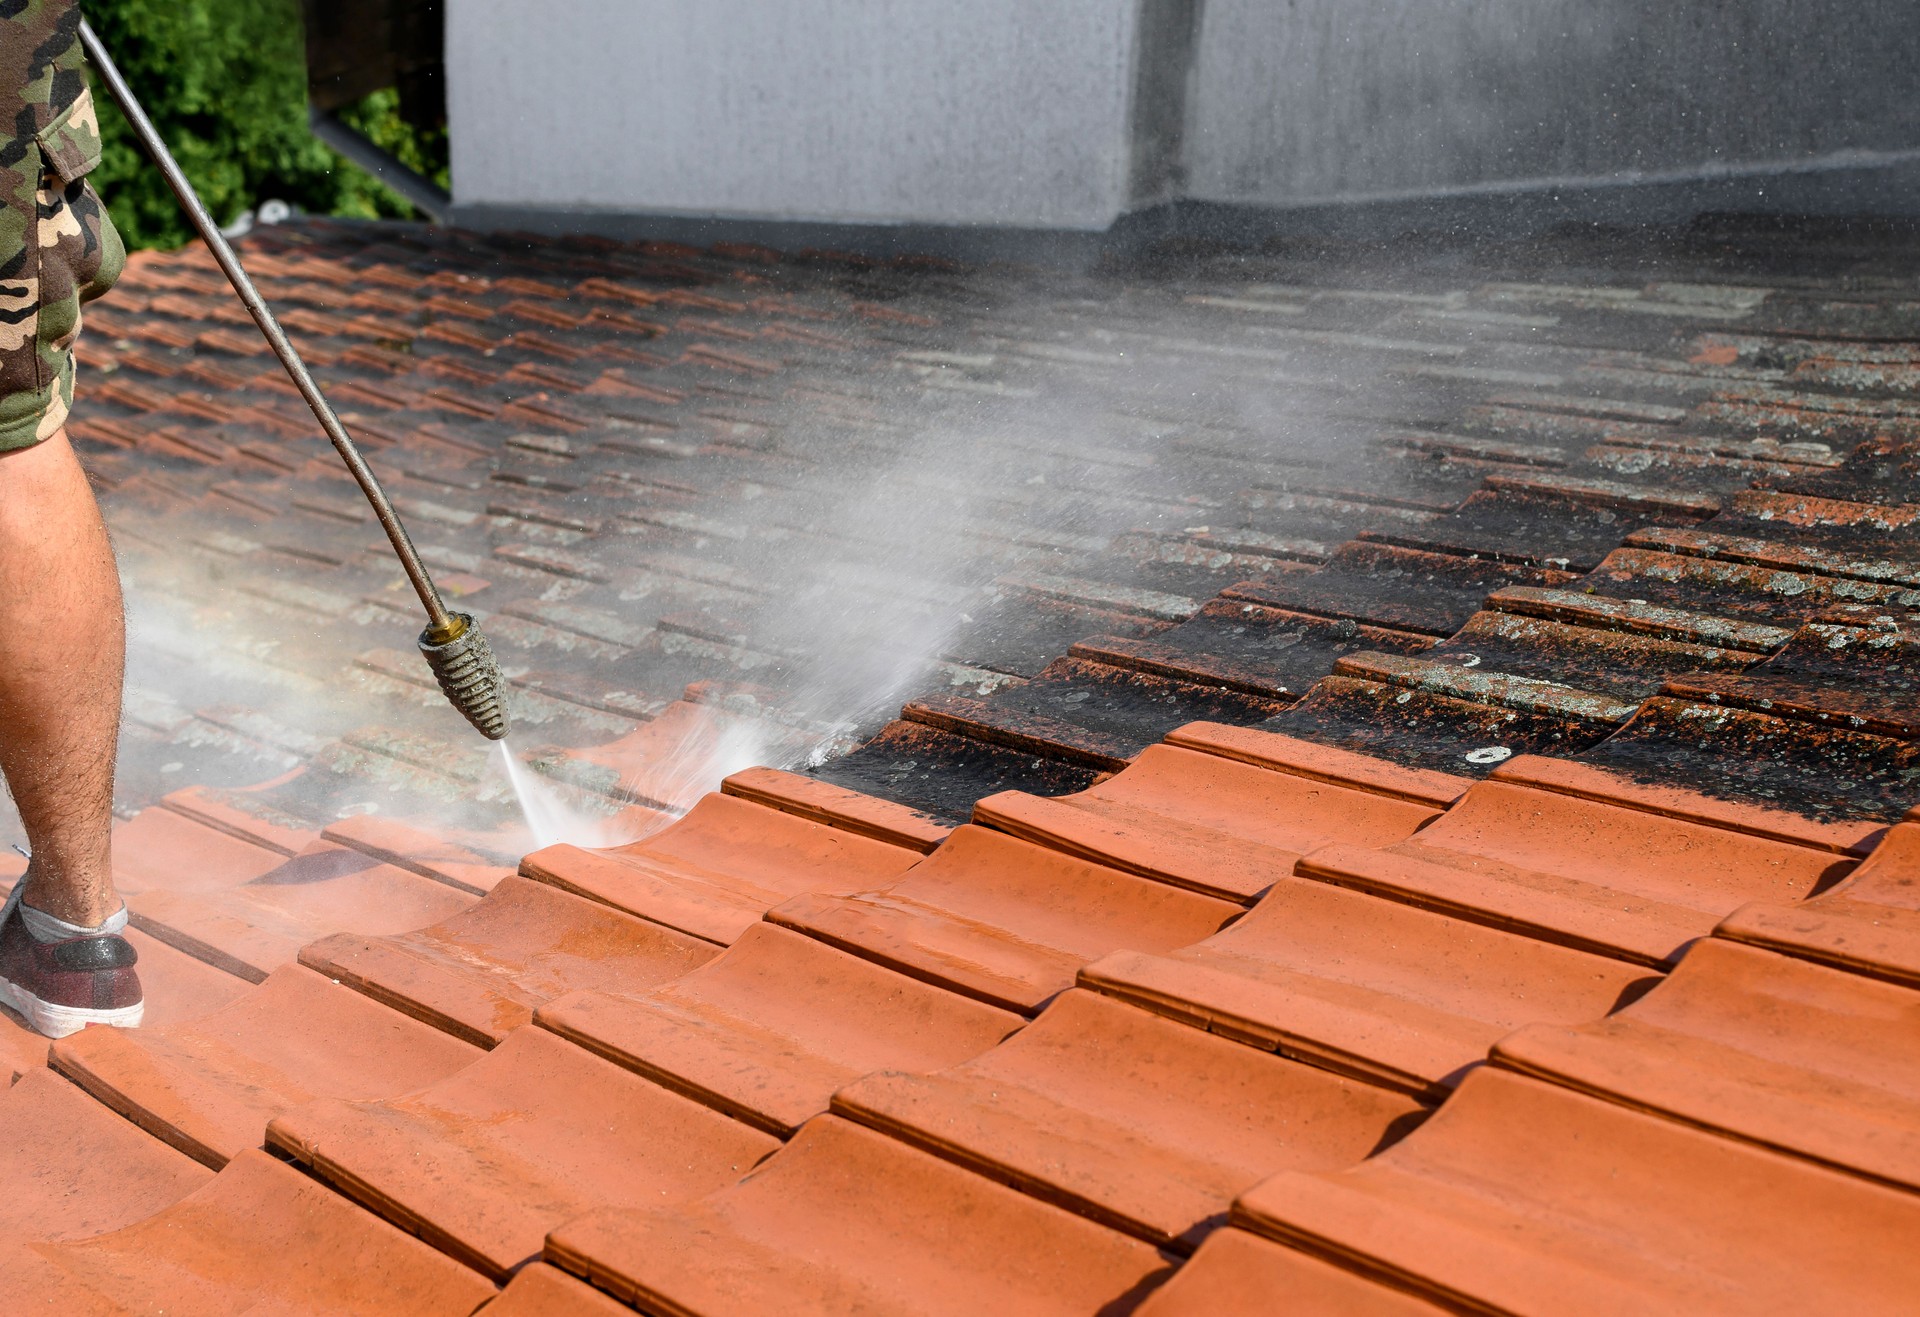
pixel 1741 1041
pixel 718 870
pixel 482 973
pixel 1870 923
pixel 1643 1213
pixel 854 811
pixel 1237 1271
pixel 1004 920
pixel 1613 880
pixel 250 929
pixel 538 1290
pixel 75 1169
pixel 209 1086
pixel 1203 822
pixel 1130 1119
pixel 846 1217
pixel 483 1163
pixel 771 1029
pixel 257 1235
pixel 1346 981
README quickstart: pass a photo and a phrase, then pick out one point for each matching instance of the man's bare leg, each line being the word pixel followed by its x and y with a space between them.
pixel 62 658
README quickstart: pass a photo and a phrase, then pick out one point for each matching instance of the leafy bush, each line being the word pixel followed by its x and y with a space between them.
pixel 225 82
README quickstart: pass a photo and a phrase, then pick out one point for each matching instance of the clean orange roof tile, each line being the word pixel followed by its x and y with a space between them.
pixel 484 1162
pixel 1201 821
pixel 72 1168
pixel 716 871
pixel 1004 920
pixel 1847 837
pixel 253 928
pixel 538 1290
pixel 178 987
pixel 839 807
pixel 1238 1272
pixel 426 853
pixel 1520 1196
pixel 209 1086
pixel 258 1237
pixel 1146 1125
pixel 1869 923
pixel 844 1219
pixel 1760 1046
pixel 158 848
pixel 1622 882
pixel 1324 763
pixel 768 1031
pixel 1386 992
pixel 481 974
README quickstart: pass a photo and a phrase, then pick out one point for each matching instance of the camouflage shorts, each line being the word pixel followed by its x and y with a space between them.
pixel 70 255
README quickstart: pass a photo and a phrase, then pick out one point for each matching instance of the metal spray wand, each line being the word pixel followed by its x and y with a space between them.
pixel 458 654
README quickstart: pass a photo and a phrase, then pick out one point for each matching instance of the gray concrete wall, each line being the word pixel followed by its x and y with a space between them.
pixel 1301 101
pixel 932 123
pixel 999 112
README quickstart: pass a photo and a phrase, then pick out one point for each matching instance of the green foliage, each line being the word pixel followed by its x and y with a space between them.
pixel 225 82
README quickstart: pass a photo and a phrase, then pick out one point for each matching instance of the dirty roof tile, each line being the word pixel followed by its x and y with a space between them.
pixel 1396 588
pixel 1826 781
pixel 768 1031
pixel 1453 732
pixel 941 774
pixel 844 1217
pixel 1081 711
pixel 483 1162
pixel 1246 647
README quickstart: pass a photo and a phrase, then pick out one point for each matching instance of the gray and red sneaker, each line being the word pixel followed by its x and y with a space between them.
pixel 65 985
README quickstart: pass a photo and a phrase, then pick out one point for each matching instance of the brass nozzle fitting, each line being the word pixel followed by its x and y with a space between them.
pixel 469 677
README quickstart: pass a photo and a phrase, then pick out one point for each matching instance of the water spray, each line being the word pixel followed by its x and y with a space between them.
pixel 459 655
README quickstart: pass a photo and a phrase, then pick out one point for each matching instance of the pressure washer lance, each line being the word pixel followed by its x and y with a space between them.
pixel 456 651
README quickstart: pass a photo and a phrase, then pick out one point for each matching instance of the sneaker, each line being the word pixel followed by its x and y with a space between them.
pixel 62 987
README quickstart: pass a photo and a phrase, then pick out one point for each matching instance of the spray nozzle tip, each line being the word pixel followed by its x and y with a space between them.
pixel 469 677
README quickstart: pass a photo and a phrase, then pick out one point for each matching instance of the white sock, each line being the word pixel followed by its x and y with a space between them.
pixel 52 928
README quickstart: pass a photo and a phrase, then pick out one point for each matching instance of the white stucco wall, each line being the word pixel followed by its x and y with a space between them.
pixel 999 112
pixel 1310 100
